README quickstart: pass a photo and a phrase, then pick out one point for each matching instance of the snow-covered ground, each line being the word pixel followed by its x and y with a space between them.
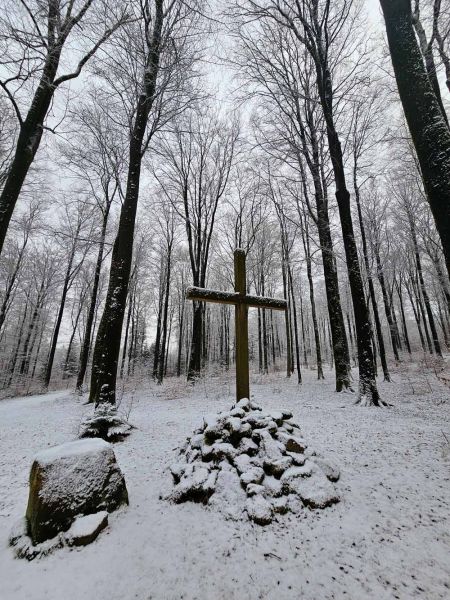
pixel 388 538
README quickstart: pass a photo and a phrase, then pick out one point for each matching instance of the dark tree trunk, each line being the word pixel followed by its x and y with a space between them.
pixel 157 350
pixel 416 317
pixel 9 288
pixel 28 141
pixel 195 355
pixel 127 331
pixel 180 336
pixel 12 365
pixel 421 310
pixel 294 312
pixel 86 344
pixel 107 345
pixel 162 362
pixel 287 319
pixel 62 304
pixel 306 246
pixel 387 307
pixel 437 346
pixel 339 339
pixel 398 286
pixel 368 392
pixel 376 315
pixel 429 130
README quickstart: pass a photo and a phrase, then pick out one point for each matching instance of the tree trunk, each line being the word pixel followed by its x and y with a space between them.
pixel 28 141
pixel 107 345
pixel 428 128
pixel 86 344
pixel 62 303
pixel 387 307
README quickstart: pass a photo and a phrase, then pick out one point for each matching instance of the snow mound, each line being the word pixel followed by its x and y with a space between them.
pixel 105 423
pixel 246 461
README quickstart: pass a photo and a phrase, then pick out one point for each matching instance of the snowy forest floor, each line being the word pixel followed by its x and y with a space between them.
pixel 389 537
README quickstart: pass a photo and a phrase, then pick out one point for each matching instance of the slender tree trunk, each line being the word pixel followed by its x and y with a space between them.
pixel 417 318
pixel 376 315
pixel 387 307
pixel 62 304
pixel 86 344
pixel 294 312
pixel 398 286
pixel 161 367
pixel 437 346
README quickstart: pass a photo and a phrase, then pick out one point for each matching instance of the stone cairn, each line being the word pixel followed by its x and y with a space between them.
pixel 246 461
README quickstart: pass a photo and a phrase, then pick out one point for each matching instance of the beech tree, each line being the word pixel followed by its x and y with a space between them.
pixel 427 124
pixel 150 70
pixel 35 39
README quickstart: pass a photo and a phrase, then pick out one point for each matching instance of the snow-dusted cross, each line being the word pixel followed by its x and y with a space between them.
pixel 241 301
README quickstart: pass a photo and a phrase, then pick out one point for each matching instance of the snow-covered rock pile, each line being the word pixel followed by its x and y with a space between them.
pixel 248 461
pixel 72 489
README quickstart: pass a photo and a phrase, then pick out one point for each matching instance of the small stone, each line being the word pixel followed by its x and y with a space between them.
pixel 279 466
pixel 296 472
pixel 279 505
pixel 242 463
pixel 255 406
pixel 197 441
pixel 331 470
pixel 177 470
pixel 222 449
pixel 192 454
pixel 244 404
pixel 286 427
pixel 292 443
pixel 233 424
pixel 315 491
pixel 298 459
pixel 237 412
pixel 248 446
pixel 253 475
pixel 85 529
pixel 229 497
pixel 273 486
pixel 286 414
pixel 246 430
pixel 277 416
pixel 254 488
pixel 269 449
pixel 214 429
pixel 259 510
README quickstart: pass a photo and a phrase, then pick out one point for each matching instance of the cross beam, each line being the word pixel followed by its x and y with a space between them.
pixel 241 301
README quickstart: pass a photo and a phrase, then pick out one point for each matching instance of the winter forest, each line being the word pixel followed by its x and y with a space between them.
pixel 142 142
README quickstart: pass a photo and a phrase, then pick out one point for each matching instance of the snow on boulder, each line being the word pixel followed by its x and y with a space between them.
pixel 68 482
pixel 248 462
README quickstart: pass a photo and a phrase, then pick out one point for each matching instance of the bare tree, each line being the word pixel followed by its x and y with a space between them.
pixel 34 37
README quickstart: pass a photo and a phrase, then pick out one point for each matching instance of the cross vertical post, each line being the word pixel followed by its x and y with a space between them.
pixel 241 327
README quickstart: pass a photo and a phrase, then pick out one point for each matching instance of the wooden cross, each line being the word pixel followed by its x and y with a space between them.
pixel 241 301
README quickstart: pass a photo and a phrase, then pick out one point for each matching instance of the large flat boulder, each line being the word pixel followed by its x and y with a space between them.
pixel 74 479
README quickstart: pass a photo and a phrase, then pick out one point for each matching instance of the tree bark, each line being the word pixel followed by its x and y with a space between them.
pixel 428 128
pixel 107 345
